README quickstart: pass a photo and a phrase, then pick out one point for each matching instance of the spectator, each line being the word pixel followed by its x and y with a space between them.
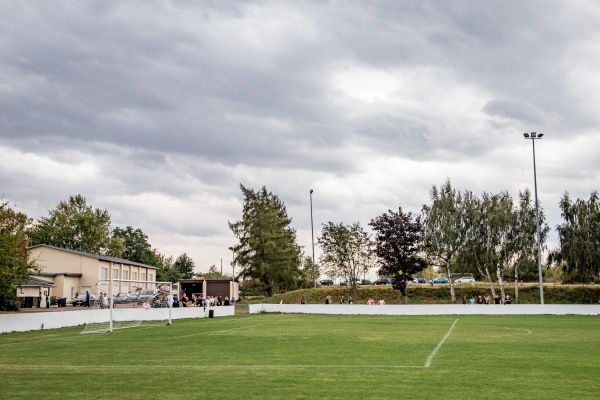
pixel 381 302
pixel 87 298
pixel 350 301
pixel 105 301
pixel 465 299
pixel 342 299
pixel 47 301
pixel 472 300
pixel 507 300
pixel 303 300
pixel 370 301
pixel 496 299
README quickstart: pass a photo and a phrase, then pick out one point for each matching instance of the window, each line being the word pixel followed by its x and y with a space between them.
pixel 134 276
pixel 104 273
pixel 125 275
pixel 143 276
pixel 150 277
pixel 115 273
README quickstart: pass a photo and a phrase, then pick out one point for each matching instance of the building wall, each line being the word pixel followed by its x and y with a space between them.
pixel 62 263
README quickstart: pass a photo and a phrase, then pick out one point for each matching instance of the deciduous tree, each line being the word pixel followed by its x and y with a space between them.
pixel 579 237
pixel 347 251
pixel 14 264
pixel 398 246
pixel 185 266
pixel 75 225
pixel 443 232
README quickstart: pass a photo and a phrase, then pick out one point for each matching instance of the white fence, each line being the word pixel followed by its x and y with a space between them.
pixel 429 309
pixel 31 321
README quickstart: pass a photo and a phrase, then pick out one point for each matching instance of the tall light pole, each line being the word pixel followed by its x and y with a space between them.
pixel 312 234
pixel 533 137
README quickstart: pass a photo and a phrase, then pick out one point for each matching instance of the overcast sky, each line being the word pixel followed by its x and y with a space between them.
pixel 158 110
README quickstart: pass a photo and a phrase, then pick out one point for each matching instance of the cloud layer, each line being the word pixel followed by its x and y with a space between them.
pixel 158 110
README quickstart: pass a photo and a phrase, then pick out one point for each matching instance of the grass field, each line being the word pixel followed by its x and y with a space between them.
pixel 272 356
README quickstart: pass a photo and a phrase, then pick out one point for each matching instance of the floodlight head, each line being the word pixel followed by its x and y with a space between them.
pixel 311 191
pixel 533 134
pixel 526 135
pixel 540 135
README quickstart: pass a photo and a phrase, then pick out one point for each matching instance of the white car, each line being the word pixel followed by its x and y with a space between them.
pixel 465 279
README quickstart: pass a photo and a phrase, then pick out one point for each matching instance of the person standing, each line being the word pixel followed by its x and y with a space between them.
pixel 47 301
pixel 87 298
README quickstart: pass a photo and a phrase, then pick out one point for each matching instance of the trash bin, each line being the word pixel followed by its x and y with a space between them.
pixel 62 302
pixel 211 313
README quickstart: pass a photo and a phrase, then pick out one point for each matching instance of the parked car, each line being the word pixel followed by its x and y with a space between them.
pixel 465 279
pixel 80 300
pixel 439 280
pixel 326 282
pixel 366 282
pixel 147 295
pixel 133 296
pixel 383 281
pixel 419 280
pixel 122 298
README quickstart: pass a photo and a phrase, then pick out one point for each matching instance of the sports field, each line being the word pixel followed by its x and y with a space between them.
pixel 274 356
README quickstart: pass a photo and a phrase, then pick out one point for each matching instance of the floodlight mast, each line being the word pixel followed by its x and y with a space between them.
pixel 533 137
pixel 312 235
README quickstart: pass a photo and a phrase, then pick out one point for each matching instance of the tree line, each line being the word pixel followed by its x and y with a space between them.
pixel 490 236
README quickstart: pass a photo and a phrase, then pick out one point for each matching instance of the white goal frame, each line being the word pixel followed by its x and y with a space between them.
pixel 146 284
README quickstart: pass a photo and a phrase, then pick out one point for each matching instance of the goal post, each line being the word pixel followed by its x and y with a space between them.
pixel 149 304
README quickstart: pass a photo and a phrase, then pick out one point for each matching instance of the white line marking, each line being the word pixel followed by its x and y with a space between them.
pixel 430 358
pixel 222 330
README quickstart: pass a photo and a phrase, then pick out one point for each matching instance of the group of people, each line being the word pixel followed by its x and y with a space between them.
pixel 486 300
pixel 328 300
pixel 44 300
pixel 208 301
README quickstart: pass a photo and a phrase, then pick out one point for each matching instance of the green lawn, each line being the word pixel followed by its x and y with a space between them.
pixel 273 356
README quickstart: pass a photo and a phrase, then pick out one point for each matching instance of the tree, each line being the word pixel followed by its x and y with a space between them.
pixel 309 272
pixel 136 244
pixel 347 251
pixel 267 249
pixel 214 273
pixel 166 270
pixel 75 225
pixel 579 237
pixel 397 245
pixel 525 239
pixel 185 266
pixel 14 265
pixel 443 232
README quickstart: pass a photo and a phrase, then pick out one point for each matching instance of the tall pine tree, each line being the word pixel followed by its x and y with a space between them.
pixel 267 249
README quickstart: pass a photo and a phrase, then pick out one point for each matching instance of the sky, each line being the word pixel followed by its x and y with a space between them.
pixel 157 111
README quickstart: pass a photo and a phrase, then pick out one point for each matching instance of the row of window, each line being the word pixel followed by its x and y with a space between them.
pixel 125 275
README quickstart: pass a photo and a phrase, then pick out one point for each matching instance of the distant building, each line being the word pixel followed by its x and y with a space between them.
pixel 65 272
pixel 209 287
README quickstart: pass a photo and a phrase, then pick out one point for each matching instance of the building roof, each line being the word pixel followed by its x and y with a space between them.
pixel 35 282
pixel 96 256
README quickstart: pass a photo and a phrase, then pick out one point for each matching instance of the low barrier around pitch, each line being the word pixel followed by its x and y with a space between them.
pixel 429 309
pixel 32 321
